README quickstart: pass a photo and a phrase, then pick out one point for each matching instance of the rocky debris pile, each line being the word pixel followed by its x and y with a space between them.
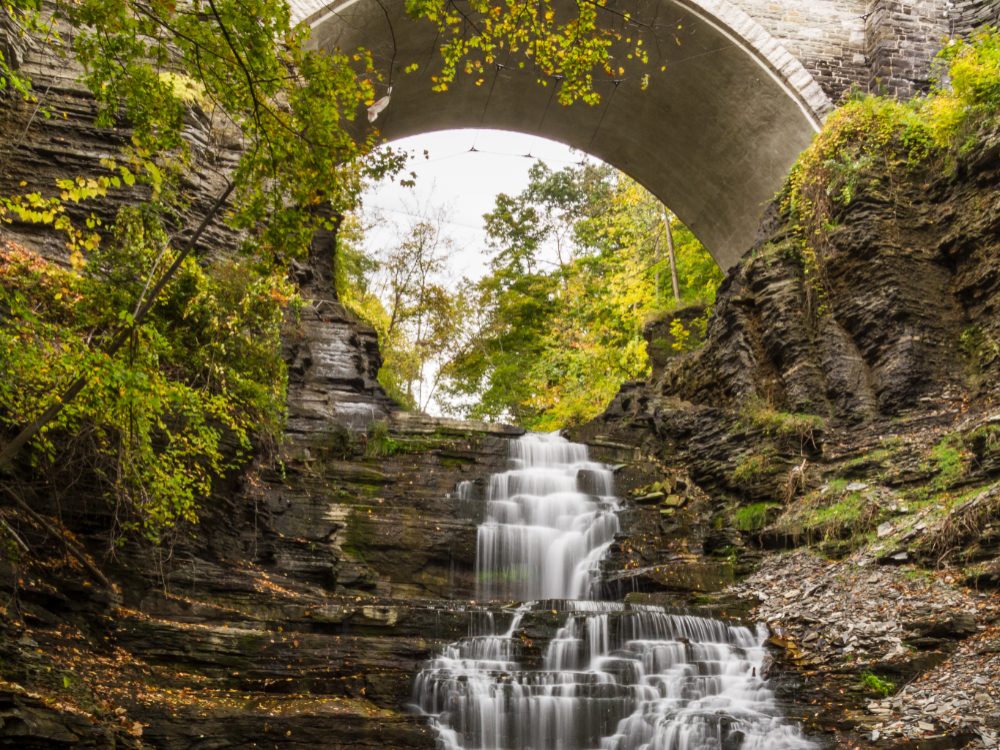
pixel 868 628
pixel 853 610
pixel 961 696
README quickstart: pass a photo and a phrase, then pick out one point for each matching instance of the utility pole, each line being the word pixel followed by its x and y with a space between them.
pixel 670 253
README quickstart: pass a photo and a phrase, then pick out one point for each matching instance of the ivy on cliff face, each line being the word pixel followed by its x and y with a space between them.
pixel 873 139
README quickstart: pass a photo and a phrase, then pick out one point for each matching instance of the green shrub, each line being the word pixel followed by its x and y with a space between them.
pixel 866 138
pixel 878 685
pixel 974 70
pixel 832 513
pixel 752 517
pixel 689 338
pixel 380 443
pixel 871 138
pixel 774 423
pixel 200 385
pixel 845 512
pixel 950 460
pixel 752 468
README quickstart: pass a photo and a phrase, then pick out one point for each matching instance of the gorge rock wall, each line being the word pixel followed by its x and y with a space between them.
pixel 902 281
pixel 891 326
pixel 52 135
pixel 296 613
pixel 896 315
pixel 845 402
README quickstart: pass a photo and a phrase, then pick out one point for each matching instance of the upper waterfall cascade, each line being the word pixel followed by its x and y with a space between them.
pixel 549 520
pixel 614 676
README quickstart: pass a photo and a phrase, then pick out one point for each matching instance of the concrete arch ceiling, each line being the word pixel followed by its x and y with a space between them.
pixel 712 136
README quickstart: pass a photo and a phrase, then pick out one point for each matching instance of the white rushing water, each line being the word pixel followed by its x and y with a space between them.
pixel 549 520
pixel 615 676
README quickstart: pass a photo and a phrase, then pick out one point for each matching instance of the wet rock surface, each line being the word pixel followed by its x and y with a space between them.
pixel 856 417
pixel 297 615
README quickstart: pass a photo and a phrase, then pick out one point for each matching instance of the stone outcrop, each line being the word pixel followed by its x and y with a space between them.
pixel 897 320
pixel 53 136
pixel 333 358
pixel 296 613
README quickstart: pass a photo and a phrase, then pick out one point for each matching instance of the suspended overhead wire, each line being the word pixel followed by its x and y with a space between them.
pixel 506 154
pixel 415 215
pixel 604 112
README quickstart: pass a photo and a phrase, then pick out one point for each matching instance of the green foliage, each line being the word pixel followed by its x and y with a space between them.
pixel 697 272
pixel 762 416
pixel 25 20
pixel 147 64
pixel 867 139
pixel 872 140
pixel 877 685
pixel 201 380
pixel 404 293
pixel 949 459
pixel 753 517
pixel 354 281
pixel 974 95
pixel 380 443
pixel 200 385
pixel 567 49
pixel 551 347
pixel 752 468
pixel 687 339
pixel 974 69
pixel 832 512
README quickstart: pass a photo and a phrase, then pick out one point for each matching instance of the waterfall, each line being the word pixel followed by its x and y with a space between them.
pixel 614 676
pixel 549 520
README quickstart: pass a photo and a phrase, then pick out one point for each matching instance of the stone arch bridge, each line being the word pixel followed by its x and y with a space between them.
pixel 747 83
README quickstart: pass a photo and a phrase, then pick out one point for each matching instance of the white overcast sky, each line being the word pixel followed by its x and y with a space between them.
pixel 463 172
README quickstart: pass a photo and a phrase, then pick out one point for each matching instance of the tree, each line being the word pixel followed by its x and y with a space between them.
pixel 402 292
pixel 135 367
pixel 565 49
pixel 551 347
pixel 407 282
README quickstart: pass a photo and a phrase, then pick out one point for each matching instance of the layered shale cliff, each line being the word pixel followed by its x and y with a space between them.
pixel 295 614
pixel 845 403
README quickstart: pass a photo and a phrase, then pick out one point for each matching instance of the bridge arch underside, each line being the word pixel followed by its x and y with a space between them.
pixel 712 136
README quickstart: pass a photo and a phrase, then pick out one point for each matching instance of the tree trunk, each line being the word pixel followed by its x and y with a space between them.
pixel 670 254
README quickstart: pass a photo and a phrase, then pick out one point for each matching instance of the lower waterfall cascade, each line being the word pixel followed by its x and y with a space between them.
pixel 615 676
